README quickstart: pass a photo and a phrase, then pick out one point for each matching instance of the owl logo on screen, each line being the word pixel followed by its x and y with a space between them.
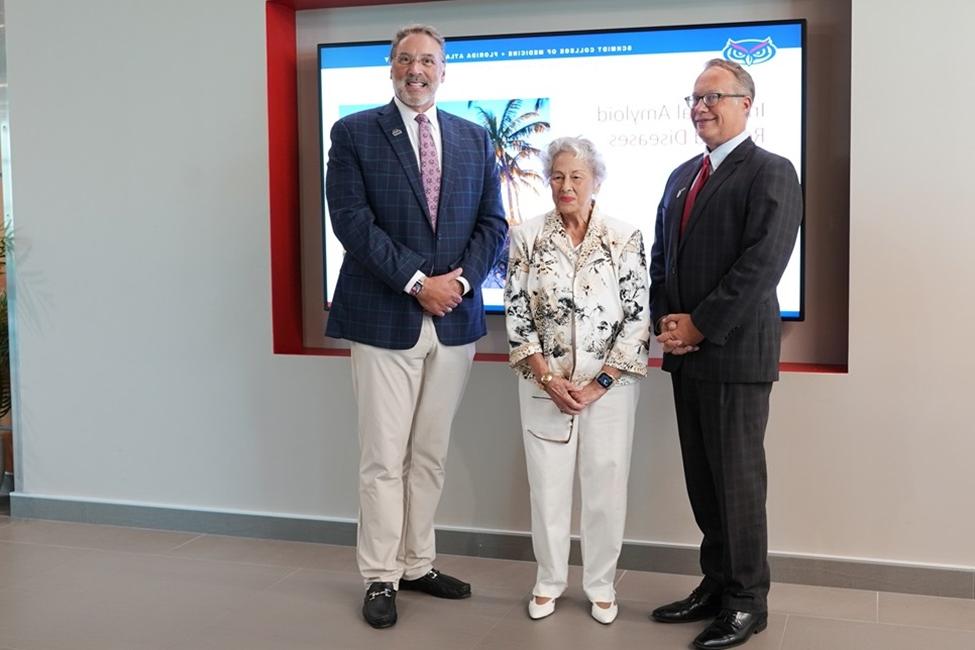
pixel 749 51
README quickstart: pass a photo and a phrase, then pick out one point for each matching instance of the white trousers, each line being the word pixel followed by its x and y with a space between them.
pixel 601 447
pixel 406 401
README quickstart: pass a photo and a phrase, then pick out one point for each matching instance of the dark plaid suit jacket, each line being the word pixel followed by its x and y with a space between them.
pixel 725 269
pixel 379 213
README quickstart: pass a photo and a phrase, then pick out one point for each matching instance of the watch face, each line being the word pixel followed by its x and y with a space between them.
pixel 604 380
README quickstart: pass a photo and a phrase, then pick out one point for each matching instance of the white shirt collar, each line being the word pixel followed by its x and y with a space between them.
pixel 409 115
pixel 721 151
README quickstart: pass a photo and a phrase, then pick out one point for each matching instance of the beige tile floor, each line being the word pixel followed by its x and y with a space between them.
pixel 70 586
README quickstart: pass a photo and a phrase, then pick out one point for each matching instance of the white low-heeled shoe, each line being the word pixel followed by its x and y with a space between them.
pixel 605 615
pixel 536 611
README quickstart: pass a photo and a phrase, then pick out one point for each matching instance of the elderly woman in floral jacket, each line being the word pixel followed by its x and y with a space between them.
pixel 576 302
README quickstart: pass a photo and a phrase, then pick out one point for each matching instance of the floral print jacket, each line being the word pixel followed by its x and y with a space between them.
pixel 580 307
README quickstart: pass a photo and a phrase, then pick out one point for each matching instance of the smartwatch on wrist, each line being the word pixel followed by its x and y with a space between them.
pixel 605 380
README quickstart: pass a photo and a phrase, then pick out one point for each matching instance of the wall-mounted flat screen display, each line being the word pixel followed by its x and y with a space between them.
pixel 622 89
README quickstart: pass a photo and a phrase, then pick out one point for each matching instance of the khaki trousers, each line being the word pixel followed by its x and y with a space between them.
pixel 601 448
pixel 406 401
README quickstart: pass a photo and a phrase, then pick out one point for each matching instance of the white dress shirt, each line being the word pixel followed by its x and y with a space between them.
pixel 413 128
pixel 413 131
pixel 721 151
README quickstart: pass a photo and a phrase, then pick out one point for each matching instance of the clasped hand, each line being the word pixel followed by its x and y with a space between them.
pixel 679 335
pixel 441 293
pixel 570 398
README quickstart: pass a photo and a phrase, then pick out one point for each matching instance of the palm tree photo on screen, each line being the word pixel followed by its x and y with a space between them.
pixel 517 128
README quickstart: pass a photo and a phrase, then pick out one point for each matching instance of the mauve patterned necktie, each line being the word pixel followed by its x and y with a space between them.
pixel 702 177
pixel 429 167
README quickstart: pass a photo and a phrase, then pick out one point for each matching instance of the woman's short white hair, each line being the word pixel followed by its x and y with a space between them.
pixel 579 147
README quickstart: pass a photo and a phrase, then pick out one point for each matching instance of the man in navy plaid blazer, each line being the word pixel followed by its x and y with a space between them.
pixel 418 245
pixel 725 230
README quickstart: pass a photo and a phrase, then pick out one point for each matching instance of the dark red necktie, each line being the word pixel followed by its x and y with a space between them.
pixel 702 176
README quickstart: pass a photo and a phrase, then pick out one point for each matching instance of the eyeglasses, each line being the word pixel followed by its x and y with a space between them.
pixel 406 60
pixel 709 100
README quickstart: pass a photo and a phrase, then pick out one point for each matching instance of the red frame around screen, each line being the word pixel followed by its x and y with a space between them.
pixel 282 115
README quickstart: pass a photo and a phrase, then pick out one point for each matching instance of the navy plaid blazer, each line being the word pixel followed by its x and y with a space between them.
pixel 379 213
pixel 725 269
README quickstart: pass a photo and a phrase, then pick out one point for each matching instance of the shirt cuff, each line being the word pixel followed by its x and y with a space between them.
pixel 419 275
pixel 464 283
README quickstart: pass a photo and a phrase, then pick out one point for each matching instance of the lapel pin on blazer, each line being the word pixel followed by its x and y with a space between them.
pixel 679 192
pixel 397 132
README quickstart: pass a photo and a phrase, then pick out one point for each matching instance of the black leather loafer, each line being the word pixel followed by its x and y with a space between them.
pixel 379 608
pixel 438 584
pixel 698 606
pixel 731 628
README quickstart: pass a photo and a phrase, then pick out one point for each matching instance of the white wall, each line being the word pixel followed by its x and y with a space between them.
pixel 139 156
pixel 142 317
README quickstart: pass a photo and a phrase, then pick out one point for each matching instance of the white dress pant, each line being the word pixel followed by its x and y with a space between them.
pixel 406 401
pixel 601 447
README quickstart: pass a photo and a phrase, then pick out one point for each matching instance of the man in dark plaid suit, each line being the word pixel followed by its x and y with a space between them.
pixel 725 230
pixel 414 197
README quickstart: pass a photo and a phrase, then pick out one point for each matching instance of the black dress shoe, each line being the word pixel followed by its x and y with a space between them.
pixel 698 606
pixel 379 609
pixel 731 628
pixel 438 584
